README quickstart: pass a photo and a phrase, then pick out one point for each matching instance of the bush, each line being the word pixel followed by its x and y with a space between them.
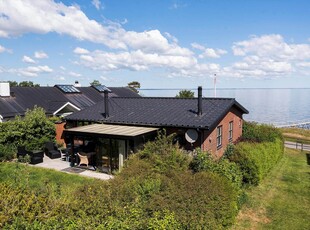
pixel 199 201
pixel 204 161
pixel 257 159
pixel 7 152
pixel 32 131
pixel 155 190
pixel 164 155
pixel 260 132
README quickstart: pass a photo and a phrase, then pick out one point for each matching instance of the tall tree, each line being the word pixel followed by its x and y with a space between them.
pixel 13 83
pixel 185 94
pixel 134 85
pixel 28 84
pixel 95 82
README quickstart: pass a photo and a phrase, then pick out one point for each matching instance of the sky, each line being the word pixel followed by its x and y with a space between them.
pixel 161 44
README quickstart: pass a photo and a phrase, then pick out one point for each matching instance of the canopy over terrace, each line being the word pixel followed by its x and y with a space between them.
pixel 111 143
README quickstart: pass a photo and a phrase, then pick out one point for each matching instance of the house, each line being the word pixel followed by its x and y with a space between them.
pixel 60 100
pixel 121 124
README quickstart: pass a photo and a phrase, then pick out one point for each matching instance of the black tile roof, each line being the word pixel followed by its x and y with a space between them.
pixel 52 98
pixel 159 112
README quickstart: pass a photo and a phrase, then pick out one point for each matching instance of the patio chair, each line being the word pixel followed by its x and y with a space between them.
pixel 22 152
pixel 35 156
pixel 83 160
pixel 51 150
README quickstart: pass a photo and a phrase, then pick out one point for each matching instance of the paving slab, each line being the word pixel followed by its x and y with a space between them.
pixel 64 166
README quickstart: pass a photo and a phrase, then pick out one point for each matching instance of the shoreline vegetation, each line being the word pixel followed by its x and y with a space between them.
pixel 161 187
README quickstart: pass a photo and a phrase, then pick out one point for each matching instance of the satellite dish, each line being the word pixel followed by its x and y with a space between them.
pixel 191 135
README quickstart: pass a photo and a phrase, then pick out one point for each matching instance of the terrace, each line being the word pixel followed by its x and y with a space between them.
pixel 64 166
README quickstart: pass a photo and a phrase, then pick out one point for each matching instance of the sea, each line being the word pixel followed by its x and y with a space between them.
pixel 278 107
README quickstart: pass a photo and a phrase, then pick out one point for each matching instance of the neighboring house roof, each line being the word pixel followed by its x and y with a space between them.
pixel 159 112
pixel 52 99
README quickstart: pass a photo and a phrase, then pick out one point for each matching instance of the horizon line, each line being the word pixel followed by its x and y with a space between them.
pixel 216 89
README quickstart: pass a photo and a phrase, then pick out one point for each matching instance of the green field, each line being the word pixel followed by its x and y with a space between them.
pixel 282 200
pixel 296 135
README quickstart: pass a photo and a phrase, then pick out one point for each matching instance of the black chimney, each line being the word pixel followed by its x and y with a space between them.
pixel 199 100
pixel 106 103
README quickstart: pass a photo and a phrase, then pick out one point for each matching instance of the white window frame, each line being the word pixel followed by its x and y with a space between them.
pixel 219 136
pixel 230 130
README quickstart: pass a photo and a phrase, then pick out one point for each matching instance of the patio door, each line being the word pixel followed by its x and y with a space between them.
pixel 112 153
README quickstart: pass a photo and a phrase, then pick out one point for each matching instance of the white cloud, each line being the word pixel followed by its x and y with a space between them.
pixel 96 3
pixel 47 16
pixel 28 59
pixel 62 68
pixel 74 74
pixel 271 46
pixel 177 5
pixel 40 55
pixel 134 60
pixel 268 56
pixel 303 64
pixel 79 50
pixel 198 46
pixel 153 41
pixel 208 52
pixel 31 71
pixel 2 49
pixel 104 78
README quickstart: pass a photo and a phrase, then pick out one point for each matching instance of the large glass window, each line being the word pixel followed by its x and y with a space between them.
pixel 230 130
pixel 219 136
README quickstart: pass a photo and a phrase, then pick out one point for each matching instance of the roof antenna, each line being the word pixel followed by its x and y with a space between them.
pixel 214 82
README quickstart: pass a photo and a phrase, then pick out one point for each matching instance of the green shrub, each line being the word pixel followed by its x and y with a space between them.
pixel 257 159
pixel 204 161
pixel 31 131
pixel 7 152
pixel 164 155
pixel 200 200
pixel 155 190
pixel 260 132
pixel 163 220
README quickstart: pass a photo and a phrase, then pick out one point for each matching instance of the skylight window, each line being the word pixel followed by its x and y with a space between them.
pixel 101 88
pixel 68 88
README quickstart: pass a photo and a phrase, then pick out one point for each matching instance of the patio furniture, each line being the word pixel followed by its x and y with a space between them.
pixel 36 156
pixel 105 161
pixel 83 160
pixel 51 150
pixel 65 156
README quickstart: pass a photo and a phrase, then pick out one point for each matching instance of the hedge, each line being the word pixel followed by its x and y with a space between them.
pixel 155 190
pixel 254 132
pixel 257 159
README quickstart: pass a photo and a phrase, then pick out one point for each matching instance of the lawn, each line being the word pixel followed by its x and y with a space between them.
pixel 282 200
pixel 296 134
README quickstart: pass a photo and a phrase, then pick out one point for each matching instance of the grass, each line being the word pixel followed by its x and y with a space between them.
pixel 296 134
pixel 37 177
pixel 282 200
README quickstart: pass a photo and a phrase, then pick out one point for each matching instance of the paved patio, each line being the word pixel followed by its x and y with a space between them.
pixel 64 166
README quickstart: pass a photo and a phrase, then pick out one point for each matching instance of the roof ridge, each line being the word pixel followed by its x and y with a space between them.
pixel 176 98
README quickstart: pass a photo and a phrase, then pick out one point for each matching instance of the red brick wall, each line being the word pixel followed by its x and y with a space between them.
pixel 59 129
pixel 210 142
